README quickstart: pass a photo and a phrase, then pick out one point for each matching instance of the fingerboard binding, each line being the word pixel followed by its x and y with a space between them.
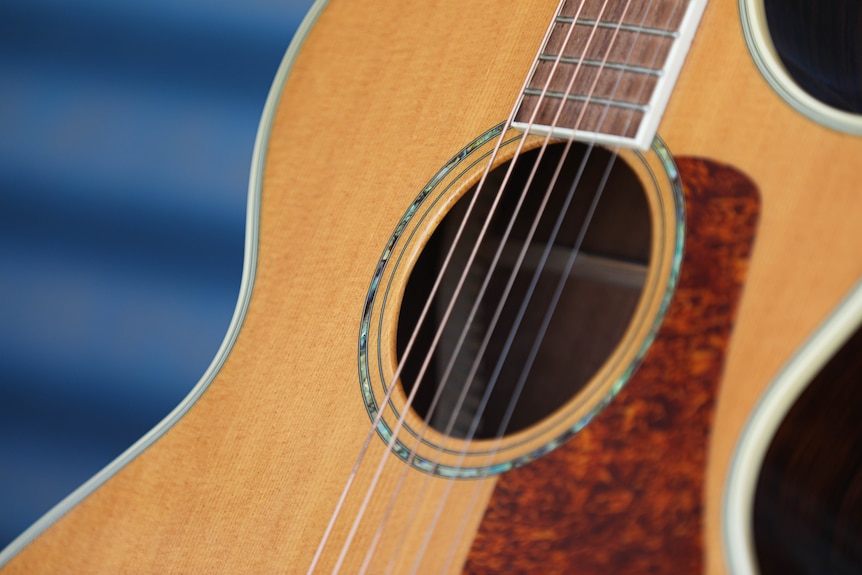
pixel 621 63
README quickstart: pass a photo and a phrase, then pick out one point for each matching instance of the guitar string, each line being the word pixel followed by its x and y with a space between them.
pixel 471 316
pixel 378 473
pixel 505 421
pixel 530 291
pixel 435 288
pixel 493 264
pixel 608 172
pixel 522 311
pixel 491 326
pixel 589 95
pixel 378 418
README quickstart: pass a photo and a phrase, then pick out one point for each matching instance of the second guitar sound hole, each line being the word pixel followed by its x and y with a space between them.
pixel 595 307
pixel 820 44
pixel 807 515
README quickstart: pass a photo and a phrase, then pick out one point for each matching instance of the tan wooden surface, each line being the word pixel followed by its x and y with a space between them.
pixel 378 100
pixel 808 249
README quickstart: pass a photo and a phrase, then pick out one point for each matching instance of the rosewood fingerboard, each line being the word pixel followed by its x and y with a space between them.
pixel 607 67
pixel 626 495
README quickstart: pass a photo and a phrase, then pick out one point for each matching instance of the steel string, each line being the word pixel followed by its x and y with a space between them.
pixel 555 299
pixel 423 315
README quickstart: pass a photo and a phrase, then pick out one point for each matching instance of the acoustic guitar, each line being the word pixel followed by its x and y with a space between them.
pixel 528 288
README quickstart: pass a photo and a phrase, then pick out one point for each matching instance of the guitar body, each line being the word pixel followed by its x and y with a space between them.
pixel 375 101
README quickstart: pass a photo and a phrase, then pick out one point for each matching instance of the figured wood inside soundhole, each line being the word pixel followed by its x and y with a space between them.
pixel 490 347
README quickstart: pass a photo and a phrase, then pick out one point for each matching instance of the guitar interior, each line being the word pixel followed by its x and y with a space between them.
pixel 589 253
pixel 808 501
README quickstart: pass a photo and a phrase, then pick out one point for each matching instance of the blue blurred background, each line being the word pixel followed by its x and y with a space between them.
pixel 126 133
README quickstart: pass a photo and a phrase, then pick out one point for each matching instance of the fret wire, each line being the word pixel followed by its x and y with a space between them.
pixel 592 100
pixel 670 38
pixel 613 25
pixel 597 63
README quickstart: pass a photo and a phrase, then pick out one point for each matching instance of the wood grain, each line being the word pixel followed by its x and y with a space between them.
pixel 378 99
pixel 625 495
pixel 808 253
pixel 663 14
pixel 248 479
pixel 584 45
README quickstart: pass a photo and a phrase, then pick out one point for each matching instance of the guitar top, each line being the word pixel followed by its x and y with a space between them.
pixel 385 126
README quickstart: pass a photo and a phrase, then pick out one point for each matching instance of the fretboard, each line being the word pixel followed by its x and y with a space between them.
pixel 607 69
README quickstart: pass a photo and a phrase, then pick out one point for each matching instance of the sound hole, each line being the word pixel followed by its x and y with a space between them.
pixel 808 502
pixel 482 363
pixel 820 44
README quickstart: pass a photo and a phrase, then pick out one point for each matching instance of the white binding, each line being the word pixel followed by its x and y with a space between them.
pixel 753 18
pixel 738 499
pixel 763 423
pixel 664 87
pixel 247 282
